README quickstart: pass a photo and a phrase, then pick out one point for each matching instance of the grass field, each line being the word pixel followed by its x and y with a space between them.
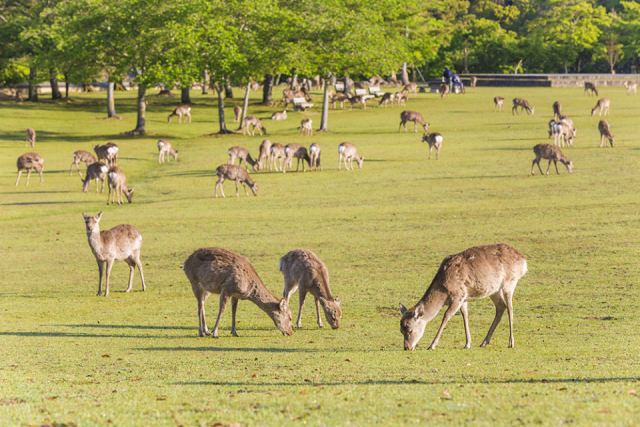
pixel 70 358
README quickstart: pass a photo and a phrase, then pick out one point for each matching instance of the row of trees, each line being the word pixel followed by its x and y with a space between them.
pixel 223 42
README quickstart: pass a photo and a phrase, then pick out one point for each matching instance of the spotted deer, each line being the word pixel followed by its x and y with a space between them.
pixel 166 149
pixel 295 151
pixel 81 156
pixel 27 162
pixel 415 117
pixel 553 154
pixel 237 111
pixel 481 271
pixel 499 104
pixel 314 149
pixel 117 183
pixel 108 152
pixel 601 105
pixel 220 271
pixel 444 90
pixel 306 127
pixel 605 132
pixel 265 154
pixel 277 153
pixel 631 86
pixel 279 116
pixel 256 123
pixel 523 104
pixel 97 171
pixel 237 174
pixel 31 138
pixel 590 88
pixel 244 156
pixel 183 110
pixel 557 110
pixel 434 139
pixel 348 152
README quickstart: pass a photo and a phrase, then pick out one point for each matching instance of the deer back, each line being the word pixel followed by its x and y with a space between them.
pixel 30 161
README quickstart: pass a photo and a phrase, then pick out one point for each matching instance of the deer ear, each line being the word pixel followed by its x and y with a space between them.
pixel 131 191
pixel 337 300
pixel 403 309
pixel 99 216
pixel 283 304
pixel 84 215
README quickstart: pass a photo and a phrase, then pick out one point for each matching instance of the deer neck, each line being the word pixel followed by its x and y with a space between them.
pixel 263 298
pixel 95 240
pixel 431 303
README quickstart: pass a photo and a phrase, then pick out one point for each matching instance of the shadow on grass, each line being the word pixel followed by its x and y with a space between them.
pixel 125 327
pixel 36 192
pixel 43 137
pixel 39 203
pixel 506 149
pixel 243 350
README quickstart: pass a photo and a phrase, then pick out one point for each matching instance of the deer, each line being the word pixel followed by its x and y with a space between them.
pixel 562 133
pixel 338 97
pixel 19 98
pixel 237 174
pixel 295 151
pixel 121 243
pixel 166 149
pixel 499 104
pixel 277 153
pixel 411 87
pixel 314 149
pixel 348 152
pixel 306 127
pixel 256 123
pixel 238 113
pixel 557 110
pixel 631 86
pixel 415 117
pixel 523 104
pixel 590 88
pixel 388 96
pixel 401 99
pixel 605 132
pixel 444 90
pixel 27 162
pixel 117 182
pixel 244 156
pixel 553 153
pixel 31 138
pixel 435 140
pixel 81 156
pixel 108 152
pixel 601 105
pixel 279 116
pixel 304 271
pixel 220 271
pixel 183 110
pixel 97 171
pixel 357 100
pixel 481 271
pixel 265 154
pixel 473 81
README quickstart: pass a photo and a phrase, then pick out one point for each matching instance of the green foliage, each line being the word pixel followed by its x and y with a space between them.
pixel 13 74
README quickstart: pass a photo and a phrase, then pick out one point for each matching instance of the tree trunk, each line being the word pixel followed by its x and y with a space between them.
pixel 111 103
pixel 325 110
pixel 294 79
pixel 186 97
pixel 414 76
pixel 405 75
pixel 53 79
pixel 142 109
pixel 221 94
pixel 245 104
pixel 347 84
pixel 267 90
pixel 466 60
pixel 277 81
pixel 228 90
pixel 205 78
pixel 566 69
pixel 33 90
pixel 66 85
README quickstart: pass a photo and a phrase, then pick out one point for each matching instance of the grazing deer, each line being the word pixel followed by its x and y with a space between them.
pixel 499 104
pixel 444 90
pixel 279 116
pixel 28 162
pixel 108 152
pixel 222 272
pixel 435 140
pixel 117 182
pixel 401 99
pixel 590 88
pixel 631 86
pixel 562 133
pixel 605 132
pixel 256 123
pixel 237 174
pixel 602 105
pixel 388 96
pixel 254 85
pixel 306 127
pixel 304 271
pixel 295 151
pixel 277 153
pixel 473 81
pixel 121 243
pixel 338 97
pixel 265 154
pixel 97 171
pixel 81 156
pixel 244 156
pixel 348 152
pixel 183 110
pixel 238 113
pixel 411 87
pixel 481 271
pixel 523 104
pixel 165 149
pixel 31 138
pixel 415 117
pixel 557 110
pixel 314 149
pixel 357 100
pixel 553 153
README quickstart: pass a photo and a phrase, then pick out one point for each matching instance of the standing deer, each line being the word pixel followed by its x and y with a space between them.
pixel 401 99
pixel 256 123
pixel 411 87
pixel 237 174
pixel 435 140
pixel 222 272
pixel 304 271
pixel 265 154
pixel 306 127
pixel 602 105
pixel 29 161
pixel 108 152
pixel 279 116
pixel 412 116
pixel 31 138
pixel 295 151
pixel 314 149
pixel 631 86
pixel 557 110
pixel 590 88
pixel 473 81
pixel 277 153
pixel 165 149
pixel 481 271
pixel 605 132
pixel 553 153
pixel 388 96
pixel 358 99
pixel 244 156
pixel 117 182
pixel 348 152
pixel 523 104
pixel 97 171
pixel 338 97
pixel 238 113
pixel 562 133
pixel 499 104
pixel 81 156
pixel 122 243
pixel 444 90
pixel 183 110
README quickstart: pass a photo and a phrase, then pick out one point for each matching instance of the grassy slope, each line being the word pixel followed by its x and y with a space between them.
pixel 382 232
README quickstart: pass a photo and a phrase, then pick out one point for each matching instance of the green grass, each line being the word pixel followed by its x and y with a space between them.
pixel 382 231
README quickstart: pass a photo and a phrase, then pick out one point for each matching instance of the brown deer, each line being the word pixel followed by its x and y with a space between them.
pixel 256 123
pixel 338 97
pixel 295 151
pixel 121 243
pixel 357 99
pixel 244 156
pixel 562 133
pixel 557 110
pixel 499 104
pixel 411 87
pixel 304 271
pixel 238 113
pixel 117 182
pixel 401 99
pixel 31 138
pixel 386 98
pixel 605 132
pixel 27 162
pixel 473 81
pixel 481 271
pixel 553 153
pixel 415 117
pixel 166 149
pixel 222 272
pixel 265 154
pixel 81 156
pixel 523 104
pixel 444 90
pixel 590 88
pixel 314 149
pixel 277 153
pixel 183 110
pixel 348 152
pixel 108 152
pixel 601 105
pixel 279 116
pixel 237 174
pixel 631 86
pixel 97 171
pixel 435 140
pixel 306 127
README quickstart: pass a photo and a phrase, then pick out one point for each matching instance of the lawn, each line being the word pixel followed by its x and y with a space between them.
pixel 70 358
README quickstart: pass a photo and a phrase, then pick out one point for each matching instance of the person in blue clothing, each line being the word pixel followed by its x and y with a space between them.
pixel 448 75
pixel 457 82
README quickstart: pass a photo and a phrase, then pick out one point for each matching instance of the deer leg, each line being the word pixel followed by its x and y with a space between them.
pixel 17 180
pixel 160 157
pixel 430 148
pixel 508 296
pixel 202 325
pixel 601 139
pixel 555 163
pixel 224 299
pixel 102 189
pixel 318 313
pixel 455 306
pixel 139 265
pixel 237 184
pixel 109 195
pixel 28 175
pixel 297 164
pixel 41 178
pixel 100 271
pixel 234 307
pixel 415 126
pixel 109 266
pixel 339 162
pixel 245 188
pixel 437 152
pixel 301 296
pixel 549 166
pixel 465 318
pixel 132 268
pixel 189 117
pixel 498 301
